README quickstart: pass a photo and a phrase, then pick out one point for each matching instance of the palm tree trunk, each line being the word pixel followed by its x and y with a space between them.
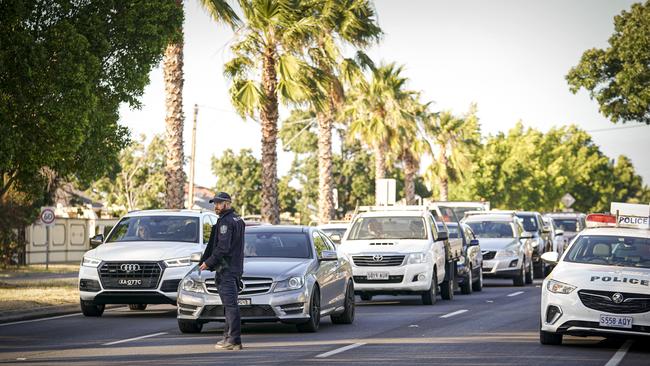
pixel 380 161
pixel 410 169
pixel 173 75
pixel 444 183
pixel 325 182
pixel 269 118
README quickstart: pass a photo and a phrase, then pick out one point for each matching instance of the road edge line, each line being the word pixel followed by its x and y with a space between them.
pixel 134 339
pixel 340 350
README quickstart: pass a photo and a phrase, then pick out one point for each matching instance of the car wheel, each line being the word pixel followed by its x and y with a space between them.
pixel 478 285
pixel 520 280
pixel 466 287
pixel 447 286
pixel 137 306
pixel 430 296
pixel 313 323
pixel 366 297
pixel 529 274
pixel 549 338
pixel 347 316
pixel 538 269
pixel 89 308
pixel 189 326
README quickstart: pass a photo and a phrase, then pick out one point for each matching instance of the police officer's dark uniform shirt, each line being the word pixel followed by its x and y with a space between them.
pixel 225 250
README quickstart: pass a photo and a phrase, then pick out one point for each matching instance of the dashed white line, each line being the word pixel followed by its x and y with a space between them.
pixel 339 350
pixel 618 356
pixel 134 339
pixel 454 313
pixel 515 293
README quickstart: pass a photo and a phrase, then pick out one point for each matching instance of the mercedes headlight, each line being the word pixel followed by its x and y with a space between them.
pixel 90 262
pixel 291 283
pixel 506 254
pixel 558 287
pixel 461 260
pixel 192 285
pixel 178 262
pixel 417 258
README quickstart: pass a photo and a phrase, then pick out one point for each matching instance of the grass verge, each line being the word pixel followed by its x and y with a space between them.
pixel 35 294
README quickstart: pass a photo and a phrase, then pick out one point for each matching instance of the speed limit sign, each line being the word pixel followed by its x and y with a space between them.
pixel 47 216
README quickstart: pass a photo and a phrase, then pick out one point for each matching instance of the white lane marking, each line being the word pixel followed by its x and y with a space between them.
pixel 134 339
pixel 339 350
pixel 454 313
pixel 52 317
pixel 515 293
pixel 618 356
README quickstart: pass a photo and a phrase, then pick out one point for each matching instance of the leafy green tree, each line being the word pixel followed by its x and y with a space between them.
pixel 619 77
pixel 241 176
pixel 628 185
pixel 141 181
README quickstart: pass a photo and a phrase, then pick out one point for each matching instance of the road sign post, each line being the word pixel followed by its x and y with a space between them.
pixel 47 218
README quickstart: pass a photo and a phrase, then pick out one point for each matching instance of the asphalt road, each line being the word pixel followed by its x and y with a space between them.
pixel 498 326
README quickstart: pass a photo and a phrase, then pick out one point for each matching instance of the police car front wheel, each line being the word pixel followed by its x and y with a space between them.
pixel 549 338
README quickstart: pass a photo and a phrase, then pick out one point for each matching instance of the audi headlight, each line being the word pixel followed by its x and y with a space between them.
pixel 558 287
pixel 178 262
pixel 291 283
pixel 191 285
pixel 90 262
pixel 506 254
pixel 417 258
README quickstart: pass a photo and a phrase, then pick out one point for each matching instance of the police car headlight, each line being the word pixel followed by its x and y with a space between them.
pixel 558 287
pixel 90 262
pixel 178 262
pixel 417 258
pixel 506 254
pixel 292 283
pixel 191 285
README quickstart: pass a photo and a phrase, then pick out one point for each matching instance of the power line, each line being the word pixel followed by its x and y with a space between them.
pixel 615 128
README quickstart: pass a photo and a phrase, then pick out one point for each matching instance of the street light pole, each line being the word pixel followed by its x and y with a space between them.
pixel 193 160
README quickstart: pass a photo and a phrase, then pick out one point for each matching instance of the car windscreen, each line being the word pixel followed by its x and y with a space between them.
pixel 395 227
pixel 529 222
pixel 624 251
pixel 156 228
pixel 452 230
pixel 277 245
pixel 491 229
pixel 331 231
pixel 566 224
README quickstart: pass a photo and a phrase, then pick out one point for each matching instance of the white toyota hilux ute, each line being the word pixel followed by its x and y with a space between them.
pixel 601 284
pixel 397 250
pixel 143 259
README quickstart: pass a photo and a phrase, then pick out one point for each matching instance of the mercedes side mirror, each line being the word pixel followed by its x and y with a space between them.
pixel 473 242
pixel 527 235
pixel 336 238
pixel 328 255
pixel 195 257
pixel 551 257
pixel 96 240
pixel 442 236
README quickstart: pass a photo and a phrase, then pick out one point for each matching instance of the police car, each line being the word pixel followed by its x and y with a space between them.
pixel 601 285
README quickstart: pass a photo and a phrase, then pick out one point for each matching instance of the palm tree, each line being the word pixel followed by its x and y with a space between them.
pixel 411 145
pixel 375 110
pixel 341 23
pixel 267 66
pixel 220 11
pixel 454 138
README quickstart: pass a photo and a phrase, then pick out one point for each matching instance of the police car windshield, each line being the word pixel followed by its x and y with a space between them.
pixel 368 228
pixel 491 229
pixel 156 228
pixel 566 224
pixel 276 245
pixel 624 251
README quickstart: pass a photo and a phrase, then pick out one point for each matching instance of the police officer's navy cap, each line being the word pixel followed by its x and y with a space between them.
pixel 221 197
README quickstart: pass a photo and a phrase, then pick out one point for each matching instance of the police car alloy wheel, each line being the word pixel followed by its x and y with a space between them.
pixel 601 284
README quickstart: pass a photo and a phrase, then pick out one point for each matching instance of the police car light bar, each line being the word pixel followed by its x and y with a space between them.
pixel 597 220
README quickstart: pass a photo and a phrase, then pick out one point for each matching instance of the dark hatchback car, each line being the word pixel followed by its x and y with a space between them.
pixel 469 268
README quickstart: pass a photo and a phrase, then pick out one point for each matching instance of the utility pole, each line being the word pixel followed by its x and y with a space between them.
pixel 193 160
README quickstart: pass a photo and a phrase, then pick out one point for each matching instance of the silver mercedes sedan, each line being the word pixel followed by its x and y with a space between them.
pixel 292 274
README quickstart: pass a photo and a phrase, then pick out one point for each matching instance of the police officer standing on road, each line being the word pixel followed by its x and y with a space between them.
pixel 225 255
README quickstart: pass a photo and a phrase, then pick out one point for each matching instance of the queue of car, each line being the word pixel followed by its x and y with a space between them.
pixel 597 267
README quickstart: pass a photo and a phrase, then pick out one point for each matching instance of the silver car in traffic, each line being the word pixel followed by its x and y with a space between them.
pixel 292 274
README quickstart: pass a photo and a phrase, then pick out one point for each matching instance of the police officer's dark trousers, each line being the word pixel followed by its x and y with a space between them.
pixel 228 290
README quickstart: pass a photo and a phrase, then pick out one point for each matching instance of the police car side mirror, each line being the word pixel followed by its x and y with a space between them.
pixel 328 255
pixel 559 232
pixel 336 238
pixel 551 257
pixel 442 236
pixel 96 240
pixel 195 257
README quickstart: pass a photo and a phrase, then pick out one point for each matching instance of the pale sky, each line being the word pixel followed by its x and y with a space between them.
pixel 510 57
